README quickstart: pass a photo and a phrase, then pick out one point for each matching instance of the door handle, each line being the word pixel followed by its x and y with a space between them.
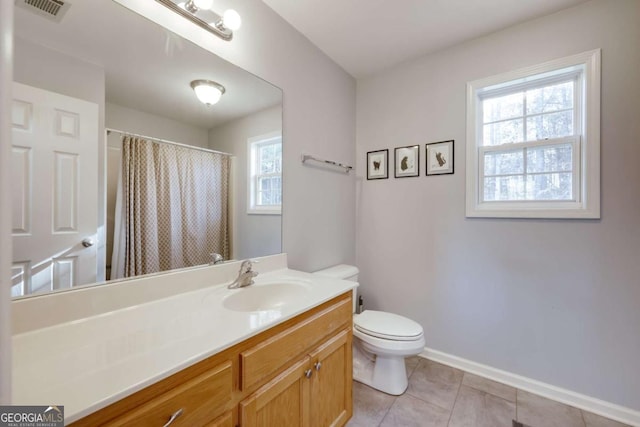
pixel 173 417
pixel 87 242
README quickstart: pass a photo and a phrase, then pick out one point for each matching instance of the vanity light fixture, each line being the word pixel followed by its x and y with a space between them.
pixel 194 5
pixel 199 12
pixel 207 91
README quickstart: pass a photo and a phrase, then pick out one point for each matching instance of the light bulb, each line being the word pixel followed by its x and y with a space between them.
pixel 231 19
pixel 203 4
pixel 208 92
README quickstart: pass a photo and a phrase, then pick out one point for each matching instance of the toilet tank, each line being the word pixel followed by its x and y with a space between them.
pixel 342 272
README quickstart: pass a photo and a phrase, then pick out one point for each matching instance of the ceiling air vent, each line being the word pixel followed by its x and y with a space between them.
pixel 53 10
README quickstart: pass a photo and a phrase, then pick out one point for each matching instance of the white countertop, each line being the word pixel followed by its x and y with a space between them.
pixel 89 363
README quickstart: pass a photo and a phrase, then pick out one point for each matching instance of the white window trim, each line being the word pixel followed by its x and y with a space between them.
pixel 251 184
pixel 587 204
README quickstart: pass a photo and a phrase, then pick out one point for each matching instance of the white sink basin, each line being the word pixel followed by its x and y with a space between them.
pixel 267 296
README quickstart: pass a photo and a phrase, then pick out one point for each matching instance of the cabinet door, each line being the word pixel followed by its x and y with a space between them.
pixel 282 402
pixel 331 382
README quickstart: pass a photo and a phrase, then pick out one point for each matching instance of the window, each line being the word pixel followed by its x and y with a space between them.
pixel 533 141
pixel 265 174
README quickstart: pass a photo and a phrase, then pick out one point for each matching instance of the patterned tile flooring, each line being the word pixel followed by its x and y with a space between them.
pixel 441 396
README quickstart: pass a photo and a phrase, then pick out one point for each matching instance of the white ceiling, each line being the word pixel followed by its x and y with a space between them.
pixel 367 36
pixel 148 68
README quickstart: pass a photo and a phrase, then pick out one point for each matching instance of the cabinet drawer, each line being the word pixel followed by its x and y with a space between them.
pixel 225 420
pixel 201 399
pixel 271 355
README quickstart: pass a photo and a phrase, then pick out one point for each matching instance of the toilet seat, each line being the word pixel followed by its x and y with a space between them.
pixel 387 326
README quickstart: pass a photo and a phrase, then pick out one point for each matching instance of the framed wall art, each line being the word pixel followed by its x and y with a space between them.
pixel 407 161
pixel 439 158
pixel 378 164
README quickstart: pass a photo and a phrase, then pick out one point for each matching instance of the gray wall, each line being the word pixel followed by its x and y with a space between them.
pixel 319 118
pixel 253 235
pixel 141 122
pixel 553 300
pixel 41 67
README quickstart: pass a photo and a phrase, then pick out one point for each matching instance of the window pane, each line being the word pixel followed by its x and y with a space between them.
pixel 267 159
pixel 270 191
pixel 264 191
pixel 504 107
pixel 550 98
pixel 504 162
pixel 264 198
pixel 504 188
pixel 265 184
pixel 270 158
pixel 278 157
pixel 553 125
pixel 550 186
pixel 503 132
pixel 266 166
pixel 277 190
pixel 276 197
pixel 553 158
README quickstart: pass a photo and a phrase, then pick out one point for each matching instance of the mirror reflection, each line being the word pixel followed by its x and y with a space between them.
pixel 119 169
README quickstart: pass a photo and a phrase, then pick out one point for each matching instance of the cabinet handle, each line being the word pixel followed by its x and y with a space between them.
pixel 308 373
pixel 317 365
pixel 173 417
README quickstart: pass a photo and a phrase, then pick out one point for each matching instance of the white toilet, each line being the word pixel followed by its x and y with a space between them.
pixel 381 341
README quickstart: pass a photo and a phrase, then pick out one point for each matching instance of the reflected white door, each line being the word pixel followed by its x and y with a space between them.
pixel 55 190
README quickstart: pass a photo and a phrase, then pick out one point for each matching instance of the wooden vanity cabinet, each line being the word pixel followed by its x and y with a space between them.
pixel 314 392
pixel 298 373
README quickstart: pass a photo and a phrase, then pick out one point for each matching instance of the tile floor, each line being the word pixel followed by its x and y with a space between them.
pixel 439 395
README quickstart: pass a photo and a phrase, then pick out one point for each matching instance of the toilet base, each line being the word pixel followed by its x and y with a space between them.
pixel 385 373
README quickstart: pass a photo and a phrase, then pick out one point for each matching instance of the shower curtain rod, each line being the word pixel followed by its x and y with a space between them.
pixel 165 141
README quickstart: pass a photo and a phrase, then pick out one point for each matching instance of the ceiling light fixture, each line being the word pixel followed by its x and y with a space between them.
pixel 199 12
pixel 207 91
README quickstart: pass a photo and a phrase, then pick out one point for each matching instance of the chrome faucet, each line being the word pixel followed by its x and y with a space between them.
pixel 245 275
pixel 215 258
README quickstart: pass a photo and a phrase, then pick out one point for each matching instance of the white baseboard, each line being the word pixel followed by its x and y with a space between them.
pixel 590 404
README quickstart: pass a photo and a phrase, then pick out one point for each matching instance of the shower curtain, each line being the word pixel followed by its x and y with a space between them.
pixel 172 208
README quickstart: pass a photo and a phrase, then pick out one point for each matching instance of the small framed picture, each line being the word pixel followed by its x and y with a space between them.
pixel 378 164
pixel 407 161
pixel 440 158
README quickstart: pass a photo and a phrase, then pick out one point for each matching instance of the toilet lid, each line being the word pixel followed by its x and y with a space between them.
pixel 387 325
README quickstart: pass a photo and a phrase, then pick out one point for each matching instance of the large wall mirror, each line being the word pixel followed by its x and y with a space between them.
pixel 118 169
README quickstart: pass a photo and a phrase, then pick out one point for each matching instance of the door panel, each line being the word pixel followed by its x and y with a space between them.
pixel 65 193
pixel 21 172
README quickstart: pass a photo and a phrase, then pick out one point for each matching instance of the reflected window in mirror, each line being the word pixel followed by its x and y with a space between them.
pixel 265 174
